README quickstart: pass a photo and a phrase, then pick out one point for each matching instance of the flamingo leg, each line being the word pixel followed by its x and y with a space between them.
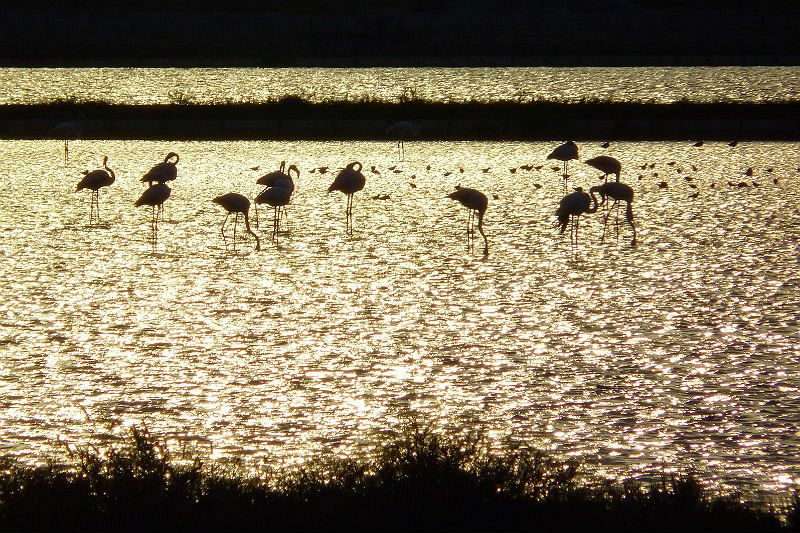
pixel 284 216
pixel 222 230
pixel 615 207
pixel 605 222
pixel 275 223
pixel 630 221
pixel 235 223
pixel 97 204
pixel 255 207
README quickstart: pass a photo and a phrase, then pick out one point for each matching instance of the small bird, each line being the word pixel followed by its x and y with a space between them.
pixel 748 172
pixel 236 203
pixel 698 144
pixel 663 185
pixel 605 144
pixel 733 143
pixel 476 202
pixel 323 170
pixel 94 181
pixel 512 170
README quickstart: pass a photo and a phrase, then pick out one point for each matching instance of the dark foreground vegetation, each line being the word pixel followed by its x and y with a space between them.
pixel 293 117
pixel 421 481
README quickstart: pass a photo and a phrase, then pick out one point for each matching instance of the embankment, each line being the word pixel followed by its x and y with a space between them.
pixel 296 119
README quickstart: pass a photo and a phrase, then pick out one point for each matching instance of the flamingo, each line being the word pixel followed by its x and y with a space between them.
pixel 69 130
pixel 154 197
pixel 278 179
pixel 268 180
pixel 94 181
pixel 605 164
pixel 565 153
pixel 276 197
pixel 570 209
pixel 236 203
pixel 618 192
pixel 349 181
pixel 163 172
pixel 402 131
pixel 475 201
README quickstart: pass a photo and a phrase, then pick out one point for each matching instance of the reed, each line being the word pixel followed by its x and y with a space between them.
pixel 421 480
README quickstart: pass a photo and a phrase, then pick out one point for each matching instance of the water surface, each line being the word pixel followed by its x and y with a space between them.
pixel 525 84
pixel 678 354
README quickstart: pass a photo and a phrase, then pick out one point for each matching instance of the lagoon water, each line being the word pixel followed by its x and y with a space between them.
pixel 678 354
pixel 525 84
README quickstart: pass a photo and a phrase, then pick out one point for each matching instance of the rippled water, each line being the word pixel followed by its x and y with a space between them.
pixel 220 85
pixel 678 354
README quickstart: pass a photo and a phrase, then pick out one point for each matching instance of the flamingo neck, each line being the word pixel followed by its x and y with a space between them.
pixel 250 231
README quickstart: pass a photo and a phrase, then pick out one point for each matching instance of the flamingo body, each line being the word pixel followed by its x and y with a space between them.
pixel 475 201
pixel 163 172
pixel 235 203
pixel 606 164
pixel 97 179
pixel 154 196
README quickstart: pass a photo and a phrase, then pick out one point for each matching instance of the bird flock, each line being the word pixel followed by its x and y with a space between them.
pixel 279 186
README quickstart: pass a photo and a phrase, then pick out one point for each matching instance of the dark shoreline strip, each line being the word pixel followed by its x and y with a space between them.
pixel 296 119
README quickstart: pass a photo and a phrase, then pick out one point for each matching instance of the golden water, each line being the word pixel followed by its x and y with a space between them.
pixel 678 354
pixel 220 85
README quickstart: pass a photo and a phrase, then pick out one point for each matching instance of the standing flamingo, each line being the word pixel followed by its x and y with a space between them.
pixel 276 197
pixel 277 179
pixel 570 209
pixel 475 201
pixel 401 132
pixel 154 197
pixel 618 192
pixel 565 153
pixel 236 203
pixel 607 165
pixel 163 172
pixel 69 130
pixel 94 181
pixel 349 181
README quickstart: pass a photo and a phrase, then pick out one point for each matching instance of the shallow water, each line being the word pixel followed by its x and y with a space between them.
pixel 677 354
pixel 221 85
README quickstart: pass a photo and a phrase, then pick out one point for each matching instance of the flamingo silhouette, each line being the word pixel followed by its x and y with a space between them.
pixel 402 131
pixel 349 181
pixel 606 164
pixel 617 192
pixel 163 172
pixel 570 209
pixel 278 194
pixel 69 130
pixel 269 180
pixel 565 153
pixel 236 203
pixel 94 181
pixel 475 201
pixel 154 197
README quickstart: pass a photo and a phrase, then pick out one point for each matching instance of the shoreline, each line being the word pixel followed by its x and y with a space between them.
pixel 292 118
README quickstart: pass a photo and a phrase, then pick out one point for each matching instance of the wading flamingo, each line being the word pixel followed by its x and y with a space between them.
pixel 570 209
pixel 617 192
pixel 606 164
pixel 236 203
pixel 163 172
pixel 349 181
pixel 94 181
pixel 565 153
pixel 154 197
pixel 401 132
pixel 71 129
pixel 476 202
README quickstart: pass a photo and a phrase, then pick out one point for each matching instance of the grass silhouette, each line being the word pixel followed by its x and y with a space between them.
pixel 422 480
